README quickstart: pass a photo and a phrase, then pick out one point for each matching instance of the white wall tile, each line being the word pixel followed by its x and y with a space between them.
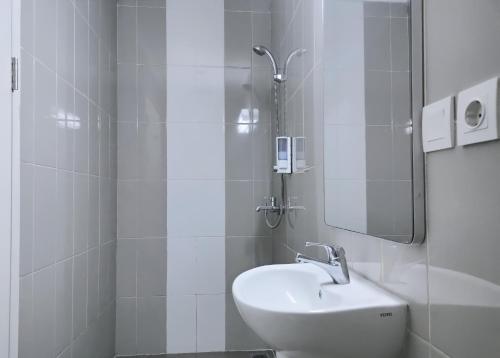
pixel 94 140
pixel 107 275
pixel 43 313
pixel 81 197
pixel 81 130
pixel 45 217
pixel 195 94
pixel 64 304
pixel 65 116
pixel 26 329
pixel 81 54
pixel 196 208
pixel 210 265
pixel 195 31
pixel 202 148
pixel 27 219
pixel 181 323
pixel 92 286
pixel 65 214
pixel 93 67
pixel 79 295
pixel 27 107
pixel 45 32
pixel 211 319
pixel 45 122
pixel 104 148
pixel 181 266
pixel 83 7
pixel 27 25
pixel 65 40
pixel 94 215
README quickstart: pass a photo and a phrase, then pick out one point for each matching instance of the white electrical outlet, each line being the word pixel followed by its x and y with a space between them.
pixel 477 113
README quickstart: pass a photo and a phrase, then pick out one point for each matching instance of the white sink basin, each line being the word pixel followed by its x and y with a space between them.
pixel 301 314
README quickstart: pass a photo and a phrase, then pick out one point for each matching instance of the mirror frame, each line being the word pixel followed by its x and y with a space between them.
pixel 417 99
pixel 418 90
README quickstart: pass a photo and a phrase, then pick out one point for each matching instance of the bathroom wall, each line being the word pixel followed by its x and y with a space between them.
pixel 68 178
pixel 195 176
pixel 142 188
pixel 295 25
pixel 248 113
pixel 440 278
pixel 218 138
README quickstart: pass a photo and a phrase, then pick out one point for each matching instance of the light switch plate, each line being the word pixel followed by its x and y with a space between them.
pixel 477 113
pixel 438 125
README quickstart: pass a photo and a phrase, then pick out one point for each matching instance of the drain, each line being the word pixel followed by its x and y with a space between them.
pixel 320 294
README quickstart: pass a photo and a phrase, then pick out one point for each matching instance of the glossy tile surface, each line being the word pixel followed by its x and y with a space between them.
pixel 141 165
pixel 248 109
pixel 67 244
pixel 195 176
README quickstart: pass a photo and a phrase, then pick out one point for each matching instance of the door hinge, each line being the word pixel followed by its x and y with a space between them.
pixel 15 74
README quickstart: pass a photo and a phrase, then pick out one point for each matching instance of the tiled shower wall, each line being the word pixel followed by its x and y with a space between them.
pixel 68 178
pixel 218 167
pixel 141 255
pixel 457 329
pixel 248 114
pixel 195 176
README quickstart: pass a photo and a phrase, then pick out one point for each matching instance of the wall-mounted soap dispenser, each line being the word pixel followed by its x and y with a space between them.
pixel 283 155
pixel 299 154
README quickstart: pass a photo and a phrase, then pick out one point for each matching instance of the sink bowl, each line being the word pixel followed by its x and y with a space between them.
pixel 299 312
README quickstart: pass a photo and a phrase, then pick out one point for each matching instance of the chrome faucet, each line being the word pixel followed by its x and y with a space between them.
pixel 335 265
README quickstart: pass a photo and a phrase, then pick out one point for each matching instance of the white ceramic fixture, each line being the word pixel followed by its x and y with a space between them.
pixel 300 313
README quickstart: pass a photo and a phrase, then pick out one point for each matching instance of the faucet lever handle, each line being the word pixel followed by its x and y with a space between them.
pixel 334 252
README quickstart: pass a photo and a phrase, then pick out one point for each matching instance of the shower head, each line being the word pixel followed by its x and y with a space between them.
pixel 261 51
pixel 297 52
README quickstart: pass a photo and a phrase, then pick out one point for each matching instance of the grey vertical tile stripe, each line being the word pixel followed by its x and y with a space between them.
pixel 141 166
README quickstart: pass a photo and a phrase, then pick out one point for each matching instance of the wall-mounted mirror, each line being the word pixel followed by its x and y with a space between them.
pixel 373 92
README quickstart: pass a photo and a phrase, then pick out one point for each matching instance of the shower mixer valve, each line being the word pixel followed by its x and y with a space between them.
pixel 270 206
